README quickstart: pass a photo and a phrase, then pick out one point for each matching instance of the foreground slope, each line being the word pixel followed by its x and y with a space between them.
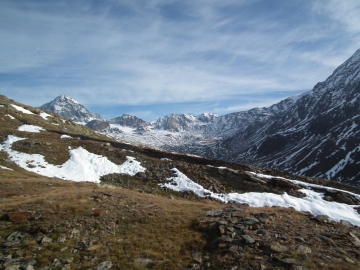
pixel 156 215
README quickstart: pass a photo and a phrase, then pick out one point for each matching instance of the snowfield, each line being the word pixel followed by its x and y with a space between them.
pixel 5 168
pixel 64 136
pixel 86 166
pixel 30 128
pixel 313 202
pixel 45 115
pixel 82 165
pixel 21 109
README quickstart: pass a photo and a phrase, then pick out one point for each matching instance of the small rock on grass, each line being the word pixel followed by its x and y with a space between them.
pixel 143 262
pixel 196 256
pixel 104 265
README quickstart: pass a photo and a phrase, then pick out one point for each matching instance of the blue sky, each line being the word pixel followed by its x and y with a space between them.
pixel 156 57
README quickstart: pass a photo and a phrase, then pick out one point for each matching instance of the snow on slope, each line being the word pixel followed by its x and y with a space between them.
pixel 5 168
pixel 30 128
pixel 313 202
pixel 82 165
pixel 21 109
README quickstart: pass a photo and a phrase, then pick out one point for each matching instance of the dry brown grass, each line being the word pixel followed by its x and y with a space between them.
pixel 148 225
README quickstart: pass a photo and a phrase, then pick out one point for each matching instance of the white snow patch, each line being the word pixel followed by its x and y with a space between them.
pixel 30 128
pixel 165 159
pixel 341 164
pixel 82 165
pixel 11 117
pixel 347 133
pixel 5 168
pixel 81 123
pixel 304 184
pixel 45 115
pixel 221 168
pixel 21 109
pixel 313 202
pixel 64 136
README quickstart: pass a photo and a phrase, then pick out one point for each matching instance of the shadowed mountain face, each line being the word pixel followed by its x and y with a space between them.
pixel 314 134
pixel 317 136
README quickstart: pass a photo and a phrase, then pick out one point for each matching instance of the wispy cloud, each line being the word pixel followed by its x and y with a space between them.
pixel 155 52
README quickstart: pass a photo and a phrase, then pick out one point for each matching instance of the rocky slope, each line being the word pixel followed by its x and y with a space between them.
pixel 157 209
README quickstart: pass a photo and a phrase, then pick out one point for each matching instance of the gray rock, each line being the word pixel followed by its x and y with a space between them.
pixel 46 239
pixel 12 243
pixel 143 262
pixel 328 198
pixel 355 240
pixel 346 223
pixel 75 233
pixel 300 239
pixel 326 239
pixel 283 184
pixel 248 239
pixel 104 265
pixel 322 218
pixel 68 260
pixel 342 198
pixel 14 236
pixel 251 221
pixel 347 259
pixel 274 247
pixel 316 238
pixel 62 238
pixel 196 256
pixel 303 249
pixel 214 213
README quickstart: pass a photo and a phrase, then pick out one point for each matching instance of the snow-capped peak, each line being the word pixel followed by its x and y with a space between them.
pixel 65 98
pixel 71 109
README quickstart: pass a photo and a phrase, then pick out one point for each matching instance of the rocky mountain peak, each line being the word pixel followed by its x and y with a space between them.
pixel 127 120
pixel 64 98
pixel 207 117
pixel 175 122
pixel 71 109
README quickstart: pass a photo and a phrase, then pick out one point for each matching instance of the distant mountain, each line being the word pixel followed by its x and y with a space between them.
pixel 313 134
pixel 70 109
pixel 132 122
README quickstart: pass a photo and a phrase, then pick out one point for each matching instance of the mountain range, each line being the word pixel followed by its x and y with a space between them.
pixel 314 134
pixel 73 198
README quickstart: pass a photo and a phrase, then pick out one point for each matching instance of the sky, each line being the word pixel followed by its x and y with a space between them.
pixel 150 58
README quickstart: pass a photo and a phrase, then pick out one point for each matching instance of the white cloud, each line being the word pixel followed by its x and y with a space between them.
pixel 131 52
